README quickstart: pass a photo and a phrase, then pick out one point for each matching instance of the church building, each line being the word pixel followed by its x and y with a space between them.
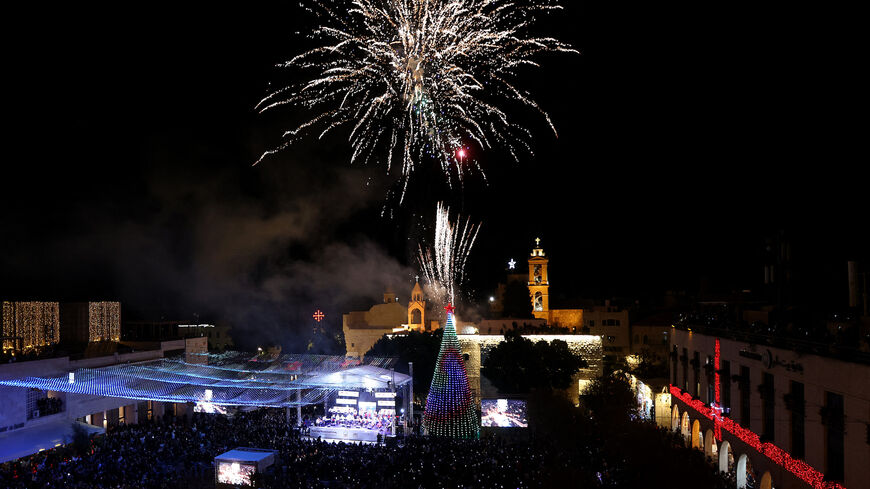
pixel 362 329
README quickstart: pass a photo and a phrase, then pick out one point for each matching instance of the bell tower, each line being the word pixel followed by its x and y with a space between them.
pixel 417 309
pixel 538 282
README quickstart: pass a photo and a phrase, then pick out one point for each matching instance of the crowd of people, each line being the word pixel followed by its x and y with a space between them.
pixel 179 452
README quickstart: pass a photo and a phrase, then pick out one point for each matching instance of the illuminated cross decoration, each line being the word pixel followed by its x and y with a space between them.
pixel 318 316
pixel 512 264
pixel 538 242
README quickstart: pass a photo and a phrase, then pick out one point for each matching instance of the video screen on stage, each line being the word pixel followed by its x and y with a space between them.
pixel 209 408
pixel 503 413
pixel 235 473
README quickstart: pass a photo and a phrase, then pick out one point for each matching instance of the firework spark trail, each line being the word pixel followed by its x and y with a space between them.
pixel 443 265
pixel 417 78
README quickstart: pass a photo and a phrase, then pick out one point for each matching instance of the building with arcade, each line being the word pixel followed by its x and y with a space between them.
pixel 774 412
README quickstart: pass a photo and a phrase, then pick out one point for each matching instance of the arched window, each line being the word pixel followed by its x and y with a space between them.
pixel 416 317
pixel 539 301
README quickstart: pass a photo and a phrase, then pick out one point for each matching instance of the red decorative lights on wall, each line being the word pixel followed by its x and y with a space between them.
pixel 717 408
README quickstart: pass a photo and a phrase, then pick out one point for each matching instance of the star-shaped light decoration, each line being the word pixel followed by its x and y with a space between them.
pixel 512 264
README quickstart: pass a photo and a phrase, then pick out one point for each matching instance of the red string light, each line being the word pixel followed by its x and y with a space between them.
pixel 717 419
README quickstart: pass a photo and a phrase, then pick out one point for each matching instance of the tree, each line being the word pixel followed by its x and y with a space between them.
pixel 450 410
pixel 81 439
pixel 419 348
pixel 517 365
pixel 326 341
pixel 517 301
pixel 609 400
pixel 649 365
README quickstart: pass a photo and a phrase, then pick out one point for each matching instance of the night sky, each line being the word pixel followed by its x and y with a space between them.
pixel 683 143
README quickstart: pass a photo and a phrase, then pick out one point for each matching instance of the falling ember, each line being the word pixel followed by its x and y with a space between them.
pixel 414 78
pixel 443 265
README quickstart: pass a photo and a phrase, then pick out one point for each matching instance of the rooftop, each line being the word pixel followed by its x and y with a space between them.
pixel 813 343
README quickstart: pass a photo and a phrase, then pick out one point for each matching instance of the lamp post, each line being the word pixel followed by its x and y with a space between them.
pixel 393 390
pixel 411 396
pixel 299 408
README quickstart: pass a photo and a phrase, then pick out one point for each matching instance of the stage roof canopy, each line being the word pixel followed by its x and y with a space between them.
pixel 229 379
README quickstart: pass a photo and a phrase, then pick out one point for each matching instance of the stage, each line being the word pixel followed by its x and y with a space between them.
pixel 344 434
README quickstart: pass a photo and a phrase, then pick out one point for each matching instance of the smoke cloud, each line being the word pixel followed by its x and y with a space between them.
pixel 262 253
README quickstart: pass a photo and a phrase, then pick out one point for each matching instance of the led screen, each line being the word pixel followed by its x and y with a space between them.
pixel 207 407
pixel 235 473
pixel 503 413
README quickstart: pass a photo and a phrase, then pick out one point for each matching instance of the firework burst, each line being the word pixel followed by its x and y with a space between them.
pixel 443 265
pixel 417 80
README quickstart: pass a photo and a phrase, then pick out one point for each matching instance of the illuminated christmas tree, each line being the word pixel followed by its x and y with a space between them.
pixel 450 408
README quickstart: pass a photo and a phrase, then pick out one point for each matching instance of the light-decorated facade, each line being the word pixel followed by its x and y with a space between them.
pixel 32 324
pixel 104 321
